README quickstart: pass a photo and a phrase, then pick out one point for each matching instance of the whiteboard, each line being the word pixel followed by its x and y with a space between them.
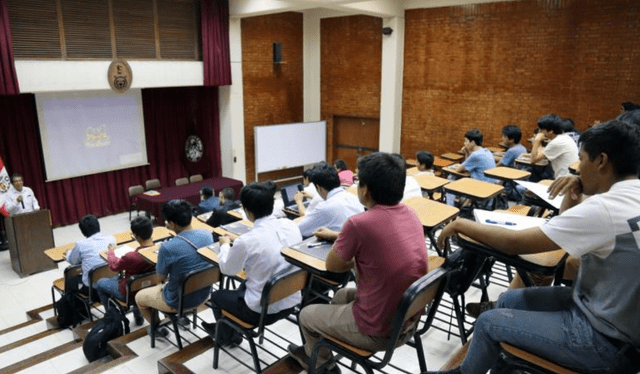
pixel 291 145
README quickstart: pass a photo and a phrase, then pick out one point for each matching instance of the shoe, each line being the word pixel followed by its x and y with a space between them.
pixel 475 309
pixel 452 371
pixel 184 322
pixel 161 332
pixel 210 328
pixel 300 355
pixel 235 341
pixel 137 317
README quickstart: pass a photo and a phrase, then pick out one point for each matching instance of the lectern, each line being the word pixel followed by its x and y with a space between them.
pixel 29 234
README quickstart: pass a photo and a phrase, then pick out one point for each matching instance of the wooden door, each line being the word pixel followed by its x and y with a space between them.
pixel 354 137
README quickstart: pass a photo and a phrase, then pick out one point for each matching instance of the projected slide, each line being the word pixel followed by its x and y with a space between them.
pixel 91 132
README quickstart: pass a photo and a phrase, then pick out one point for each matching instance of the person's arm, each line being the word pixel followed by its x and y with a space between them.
pixel 311 221
pixel 115 263
pixel 537 150
pixel 326 234
pixel 36 206
pixel 299 198
pixel 231 259
pixel 570 187
pixel 511 242
pixel 73 256
pixel 163 266
pixel 337 265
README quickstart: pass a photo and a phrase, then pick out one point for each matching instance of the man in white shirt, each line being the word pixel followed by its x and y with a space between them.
pixel 20 199
pixel 337 207
pixel 561 151
pixel 309 192
pixel 258 253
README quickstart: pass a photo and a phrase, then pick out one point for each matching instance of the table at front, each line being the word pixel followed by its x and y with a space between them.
pixel 189 192
pixel 432 215
pixel 477 191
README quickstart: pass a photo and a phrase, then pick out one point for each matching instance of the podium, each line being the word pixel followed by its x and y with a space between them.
pixel 29 234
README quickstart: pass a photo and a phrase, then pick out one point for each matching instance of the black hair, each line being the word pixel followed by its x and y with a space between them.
pixel 512 132
pixel 207 192
pixel 308 173
pixel 425 158
pixel 16 175
pixel 629 106
pixel 89 225
pixel 325 176
pixel 257 199
pixel 551 122
pixel 142 227
pixel 631 117
pixel 619 140
pixel 177 211
pixel 340 164
pixel 229 193
pixel 568 125
pixel 271 186
pixel 475 136
pixel 384 176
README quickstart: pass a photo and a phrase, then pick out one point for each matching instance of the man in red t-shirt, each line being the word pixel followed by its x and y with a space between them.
pixel 386 245
pixel 130 264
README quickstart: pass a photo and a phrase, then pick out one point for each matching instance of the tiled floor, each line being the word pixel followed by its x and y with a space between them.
pixel 20 295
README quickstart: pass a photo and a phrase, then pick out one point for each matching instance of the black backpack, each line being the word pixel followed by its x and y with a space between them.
pixel 71 310
pixel 113 325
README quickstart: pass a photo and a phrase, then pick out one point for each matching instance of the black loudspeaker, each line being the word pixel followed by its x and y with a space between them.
pixel 277 53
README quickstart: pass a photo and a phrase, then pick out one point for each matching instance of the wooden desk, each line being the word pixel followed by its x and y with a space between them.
pixel 439 163
pixel 455 157
pixel 451 170
pixel 212 256
pixel 199 225
pixel 575 168
pixel 432 215
pixel 314 264
pixel 477 191
pixel 430 183
pixel 507 174
pixel 495 149
pixel 222 232
pixel 410 162
pixel 57 253
pixel 124 237
pixel 236 213
pixel 525 159
pixel 150 253
pixel 413 171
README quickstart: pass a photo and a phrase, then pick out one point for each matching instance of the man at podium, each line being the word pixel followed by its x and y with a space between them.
pixel 20 199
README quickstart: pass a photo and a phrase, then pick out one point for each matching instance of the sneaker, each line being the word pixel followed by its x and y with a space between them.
pixel 210 328
pixel 235 341
pixel 475 309
pixel 161 332
pixel 300 355
pixel 184 322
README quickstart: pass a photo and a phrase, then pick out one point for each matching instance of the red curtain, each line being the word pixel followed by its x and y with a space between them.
pixel 215 42
pixel 170 116
pixel 8 77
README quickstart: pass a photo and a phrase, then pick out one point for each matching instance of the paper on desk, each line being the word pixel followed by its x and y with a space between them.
pixel 541 191
pixel 507 220
pixel 122 250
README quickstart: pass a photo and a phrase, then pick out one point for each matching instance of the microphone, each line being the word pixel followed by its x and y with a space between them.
pixel 22 202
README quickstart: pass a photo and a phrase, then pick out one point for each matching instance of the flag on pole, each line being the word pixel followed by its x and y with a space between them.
pixel 5 185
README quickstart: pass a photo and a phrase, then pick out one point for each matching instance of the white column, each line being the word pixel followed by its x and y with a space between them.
pixel 311 66
pixel 391 87
pixel 231 108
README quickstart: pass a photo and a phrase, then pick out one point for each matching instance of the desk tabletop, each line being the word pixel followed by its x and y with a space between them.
pixel 439 163
pixel 236 213
pixel 473 188
pixel 495 149
pixel 57 253
pixel 304 260
pixel 506 173
pixel 150 253
pixel 575 168
pixel 431 213
pixel 199 225
pixel 413 171
pixel 452 156
pixel 430 183
pixel 222 232
pixel 525 159
pixel 452 169
pixel 123 237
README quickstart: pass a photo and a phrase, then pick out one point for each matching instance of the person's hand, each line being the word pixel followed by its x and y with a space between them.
pixel 569 184
pixel 111 246
pixel 539 137
pixel 448 231
pixel 306 194
pixel 19 198
pixel 326 234
pixel 299 197
pixel 225 239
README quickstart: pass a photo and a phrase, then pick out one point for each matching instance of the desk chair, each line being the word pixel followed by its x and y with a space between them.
pixel 195 178
pixel 182 181
pixel 152 184
pixel 279 286
pixel 423 292
pixel 133 200
pixel 516 360
pixel 66 283
pixel 193 281
pixel 135 284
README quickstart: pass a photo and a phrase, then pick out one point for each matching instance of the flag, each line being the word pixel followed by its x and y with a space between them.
pixel 5 185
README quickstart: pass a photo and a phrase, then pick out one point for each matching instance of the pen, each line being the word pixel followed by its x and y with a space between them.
pixel 500 223
pixel 313 245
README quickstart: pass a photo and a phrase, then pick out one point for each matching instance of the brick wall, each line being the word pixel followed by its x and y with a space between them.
pixel 487 65
pixel 351 68
pixel 272 92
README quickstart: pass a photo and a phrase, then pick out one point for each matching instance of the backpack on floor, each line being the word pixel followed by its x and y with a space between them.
pixel 112 326
pixel 71 310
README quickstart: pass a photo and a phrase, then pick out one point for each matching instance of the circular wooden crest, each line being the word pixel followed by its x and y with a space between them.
pixel 120 75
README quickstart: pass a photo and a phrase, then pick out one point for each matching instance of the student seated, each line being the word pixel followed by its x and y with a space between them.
pixel 338 205
pixel 511 135
pixel 478 159
pixel 561 151
pixel 346 176
pixel 208 201
pixel 425 162
pixel 86 252
pixel 227 202
pixel 278 204
pixel 411 186
pixel 131 263
pixel 258 253
pixel 177 257
pixel 386 246
pixel 309 192
pixel 593 326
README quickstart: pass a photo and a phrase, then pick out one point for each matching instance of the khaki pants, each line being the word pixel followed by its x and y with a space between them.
pixel 336 320
pixel 150 300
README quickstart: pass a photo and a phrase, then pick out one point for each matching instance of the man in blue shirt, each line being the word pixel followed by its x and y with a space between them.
pixel 208 200
pixel 511 135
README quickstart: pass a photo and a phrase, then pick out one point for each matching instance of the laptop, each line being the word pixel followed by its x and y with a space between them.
pixel 288 197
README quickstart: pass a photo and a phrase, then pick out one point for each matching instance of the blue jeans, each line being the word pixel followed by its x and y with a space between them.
pixel 108 287
pixel 544 321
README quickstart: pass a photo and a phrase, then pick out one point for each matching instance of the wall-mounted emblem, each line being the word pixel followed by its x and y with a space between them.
pixel 120 75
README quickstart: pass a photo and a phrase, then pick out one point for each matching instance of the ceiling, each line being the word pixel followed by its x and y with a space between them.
pixel 335 8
